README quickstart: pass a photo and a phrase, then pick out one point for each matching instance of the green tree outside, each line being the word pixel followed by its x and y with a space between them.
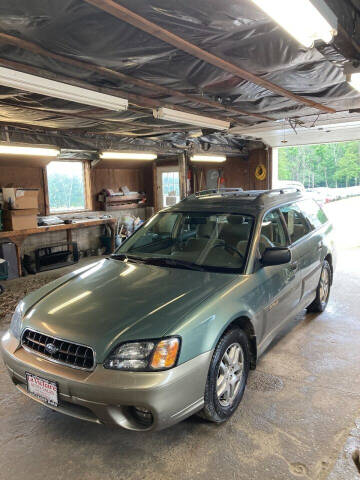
pixel 324 165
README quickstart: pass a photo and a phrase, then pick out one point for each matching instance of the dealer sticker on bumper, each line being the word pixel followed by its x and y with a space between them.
pixel 43 389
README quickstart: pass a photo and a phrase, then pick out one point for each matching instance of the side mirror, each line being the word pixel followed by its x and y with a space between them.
pixel 276 256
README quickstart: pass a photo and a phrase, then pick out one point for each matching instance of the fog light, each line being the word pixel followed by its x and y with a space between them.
pixel 143 415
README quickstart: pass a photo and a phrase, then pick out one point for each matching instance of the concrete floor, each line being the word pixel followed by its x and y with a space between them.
pixel 296 416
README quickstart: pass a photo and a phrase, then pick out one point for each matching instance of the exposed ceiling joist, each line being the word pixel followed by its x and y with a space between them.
pixel 86 116
pixel 134 99
pixel 109 73
pixel 151 28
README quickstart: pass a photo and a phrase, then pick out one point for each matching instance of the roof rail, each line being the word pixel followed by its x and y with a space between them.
pixel 258 196
pixel 221 191
pixel 279 191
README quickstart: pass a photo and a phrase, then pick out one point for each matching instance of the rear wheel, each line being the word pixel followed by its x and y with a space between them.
pixel 227 376
pixel 323 290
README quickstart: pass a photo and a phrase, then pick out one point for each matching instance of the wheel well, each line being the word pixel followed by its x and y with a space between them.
pixel 245 324
pixel 328 258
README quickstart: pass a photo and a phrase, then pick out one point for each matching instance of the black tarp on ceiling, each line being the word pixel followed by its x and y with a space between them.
pixel 234 30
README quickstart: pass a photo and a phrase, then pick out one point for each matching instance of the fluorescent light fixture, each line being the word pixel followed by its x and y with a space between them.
pixel 23 150
pixel 113 155
pixel 189 118
pixel 208 158
pixel 354 80
pixel 305 20
pixel 51 88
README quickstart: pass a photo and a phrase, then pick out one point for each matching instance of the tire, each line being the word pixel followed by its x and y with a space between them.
pixel 218 408
pixel 322 297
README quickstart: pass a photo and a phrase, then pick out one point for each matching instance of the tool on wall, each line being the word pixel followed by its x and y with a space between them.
pixel 221 179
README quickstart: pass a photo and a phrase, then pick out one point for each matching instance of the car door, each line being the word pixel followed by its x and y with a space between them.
pixel 305 245
pixel 282 282
pixel 313 247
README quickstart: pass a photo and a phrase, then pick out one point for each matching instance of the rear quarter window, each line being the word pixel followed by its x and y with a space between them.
pixel 314 214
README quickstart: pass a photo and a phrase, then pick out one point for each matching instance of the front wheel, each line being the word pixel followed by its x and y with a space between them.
pixel 322 291
pixel 227 376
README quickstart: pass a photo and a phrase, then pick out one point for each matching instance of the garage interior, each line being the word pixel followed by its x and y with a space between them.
pixel 203 92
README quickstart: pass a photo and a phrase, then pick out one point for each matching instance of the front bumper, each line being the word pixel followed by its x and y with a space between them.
pixel 107 396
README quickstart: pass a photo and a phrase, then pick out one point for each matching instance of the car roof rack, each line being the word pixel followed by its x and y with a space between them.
pixel 212 191
pixel 258 196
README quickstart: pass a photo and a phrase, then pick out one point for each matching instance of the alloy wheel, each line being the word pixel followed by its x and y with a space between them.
pixel 324 285
pixel 230 375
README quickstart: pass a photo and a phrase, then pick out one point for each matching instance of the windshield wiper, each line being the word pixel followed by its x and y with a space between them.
pixel 126 258
pixel 171 262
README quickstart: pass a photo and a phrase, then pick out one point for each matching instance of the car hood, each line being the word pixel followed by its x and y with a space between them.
pixel 113 301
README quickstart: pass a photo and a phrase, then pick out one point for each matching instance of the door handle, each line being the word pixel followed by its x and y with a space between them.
pixel 294 266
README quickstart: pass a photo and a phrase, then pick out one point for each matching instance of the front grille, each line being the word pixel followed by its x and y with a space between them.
pixel 67 353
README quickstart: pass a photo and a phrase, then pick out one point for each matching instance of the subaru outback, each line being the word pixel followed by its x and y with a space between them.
pixel 172 322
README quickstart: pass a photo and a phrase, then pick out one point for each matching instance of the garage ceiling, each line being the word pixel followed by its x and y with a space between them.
pixel 339 127
pixel 220 58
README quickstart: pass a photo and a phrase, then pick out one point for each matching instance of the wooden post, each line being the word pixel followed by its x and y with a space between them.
pixel 182 174
pixel 46 191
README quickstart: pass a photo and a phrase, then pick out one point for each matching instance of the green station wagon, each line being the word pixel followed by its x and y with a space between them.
pixel 171 324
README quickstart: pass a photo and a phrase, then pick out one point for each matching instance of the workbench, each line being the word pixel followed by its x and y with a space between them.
pixel 17 237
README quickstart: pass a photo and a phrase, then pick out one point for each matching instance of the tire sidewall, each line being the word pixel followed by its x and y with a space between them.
pixel 323 305
pixel 214 409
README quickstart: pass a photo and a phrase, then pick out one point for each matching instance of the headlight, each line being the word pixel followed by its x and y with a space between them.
pixel 145 356
pixel 16 321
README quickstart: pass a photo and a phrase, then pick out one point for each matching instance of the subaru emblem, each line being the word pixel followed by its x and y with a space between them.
pixel 51 348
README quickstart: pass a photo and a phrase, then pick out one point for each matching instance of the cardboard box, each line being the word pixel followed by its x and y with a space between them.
pixel 20 219
pixel 20 198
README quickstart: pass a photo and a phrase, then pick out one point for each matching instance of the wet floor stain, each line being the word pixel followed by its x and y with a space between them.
pixel 264 382
pixel 298 469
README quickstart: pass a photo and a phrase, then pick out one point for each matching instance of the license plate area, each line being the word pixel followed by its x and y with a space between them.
pixel 43 389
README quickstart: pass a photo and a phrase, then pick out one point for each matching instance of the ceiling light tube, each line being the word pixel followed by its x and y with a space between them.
pixel 28 150
pixel 51 88
pixel 305 20
pixel 208 158
pixel 163 113
pixel 113 155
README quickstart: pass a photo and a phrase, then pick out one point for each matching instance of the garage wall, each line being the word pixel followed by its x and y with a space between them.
pixel 259 157
pixel 139 179
pixel 240 172
pixel 136 179
pixel 27 177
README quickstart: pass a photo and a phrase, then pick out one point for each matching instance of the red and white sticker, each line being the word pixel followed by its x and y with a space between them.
pixel 43 389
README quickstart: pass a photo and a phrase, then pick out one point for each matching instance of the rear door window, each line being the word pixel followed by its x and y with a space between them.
pixel 314 214
pixel 296 223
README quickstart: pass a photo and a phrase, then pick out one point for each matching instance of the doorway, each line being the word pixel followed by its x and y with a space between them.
pixel 168 186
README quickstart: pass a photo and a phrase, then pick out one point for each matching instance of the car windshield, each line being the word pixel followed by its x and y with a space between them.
pixel 202 241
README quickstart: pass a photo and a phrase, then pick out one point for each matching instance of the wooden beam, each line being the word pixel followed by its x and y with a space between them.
pixel 151 28
pixel 83 115
pixel 107 72
pixel 134 99
pixel 45 191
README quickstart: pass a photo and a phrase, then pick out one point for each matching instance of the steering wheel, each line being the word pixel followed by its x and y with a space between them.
pixel 228 248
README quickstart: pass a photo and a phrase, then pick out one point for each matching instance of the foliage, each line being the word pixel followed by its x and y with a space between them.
pixel 66 186
pixel 324 165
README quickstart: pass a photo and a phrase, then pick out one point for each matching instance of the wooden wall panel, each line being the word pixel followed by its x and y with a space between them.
pixel 239 172
pixel 26 177
pixel 136 179
pixel 257 157
pixel 235 172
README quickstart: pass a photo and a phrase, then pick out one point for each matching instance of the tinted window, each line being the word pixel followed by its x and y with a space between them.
pixel 313 213
pixel 296 223
pixel 272 232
